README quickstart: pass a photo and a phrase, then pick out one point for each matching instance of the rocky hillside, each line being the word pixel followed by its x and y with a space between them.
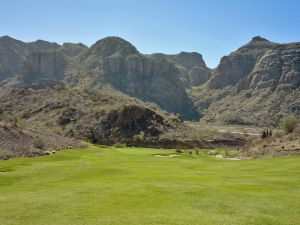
pixel 41 69
pixel 277 67
pixel 278 145
pixel 16 142
pixel 115 62
pixel 240 63
pixel 192 68
pixel 98 115
pixel 256 85
pixel 261 78
pixel 13 53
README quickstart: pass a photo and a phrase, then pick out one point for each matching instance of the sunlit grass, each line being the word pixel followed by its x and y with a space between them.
pixel 132 186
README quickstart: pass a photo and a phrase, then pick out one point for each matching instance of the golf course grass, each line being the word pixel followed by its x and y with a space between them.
pixel 133 186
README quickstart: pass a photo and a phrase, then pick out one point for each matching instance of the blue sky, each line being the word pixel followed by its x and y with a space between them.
pixel 213 28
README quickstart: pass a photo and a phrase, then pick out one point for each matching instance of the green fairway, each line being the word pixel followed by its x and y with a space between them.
pixel 133 186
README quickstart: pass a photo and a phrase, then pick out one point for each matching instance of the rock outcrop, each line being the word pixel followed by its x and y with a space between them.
pixel 13 53
pixel 120 125
pixel 279 66
pixel 72 50
pixel 256 85
pixel 240 63
pixel 116 62
pixel 42 69
pixel 192 68
pixel 16 142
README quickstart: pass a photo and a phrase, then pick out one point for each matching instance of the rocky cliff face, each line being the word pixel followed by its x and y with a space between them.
pixel 128 121
pixel 116 62
pixel 72 50
pixel 13 53
pixel 279 66
pixel 43 69
pixel 256 85
pixel 240 63
pixel 243 77
pixel 192 68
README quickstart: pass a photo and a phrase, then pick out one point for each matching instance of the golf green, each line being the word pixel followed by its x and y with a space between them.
pixel 131 186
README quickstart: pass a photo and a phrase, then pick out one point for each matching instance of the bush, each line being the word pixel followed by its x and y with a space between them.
pixel 289 124
pixel 39 143
pixel 12 119
pixel 178 150
pixel 119 145
pixel 5 154
pixel 15 119
pixel 5 120
pixel 212 152
pixel 139 137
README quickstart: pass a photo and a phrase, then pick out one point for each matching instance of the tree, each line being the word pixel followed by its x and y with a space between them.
pixel 289 124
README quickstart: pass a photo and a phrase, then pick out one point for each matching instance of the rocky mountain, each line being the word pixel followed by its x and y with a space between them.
pixel 42 69
pixel 279 66
pixel 256 85
pixel 116 62
pixel 99 115
pixel 192 68
pixel 13 53
pixel 16 142
pixel 240 63
pixel 261 78
pixel 72 50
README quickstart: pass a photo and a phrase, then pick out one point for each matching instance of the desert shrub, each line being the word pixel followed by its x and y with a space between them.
pixel 5 154
pixel 213 152
pixel 289 124
pixel 12 119
pixel 21 124
pixel 47 153
pixel 5 120
pixel 39 143
pixel 139 137
pixel 178 150
pixel 119 145
pixel 226 152
pixel 15 119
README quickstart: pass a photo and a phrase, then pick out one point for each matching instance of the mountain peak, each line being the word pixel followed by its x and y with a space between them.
pixel 259 39
pixel 7 38
pixel 113 45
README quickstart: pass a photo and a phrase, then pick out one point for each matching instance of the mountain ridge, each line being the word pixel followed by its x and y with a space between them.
pixel 179 83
